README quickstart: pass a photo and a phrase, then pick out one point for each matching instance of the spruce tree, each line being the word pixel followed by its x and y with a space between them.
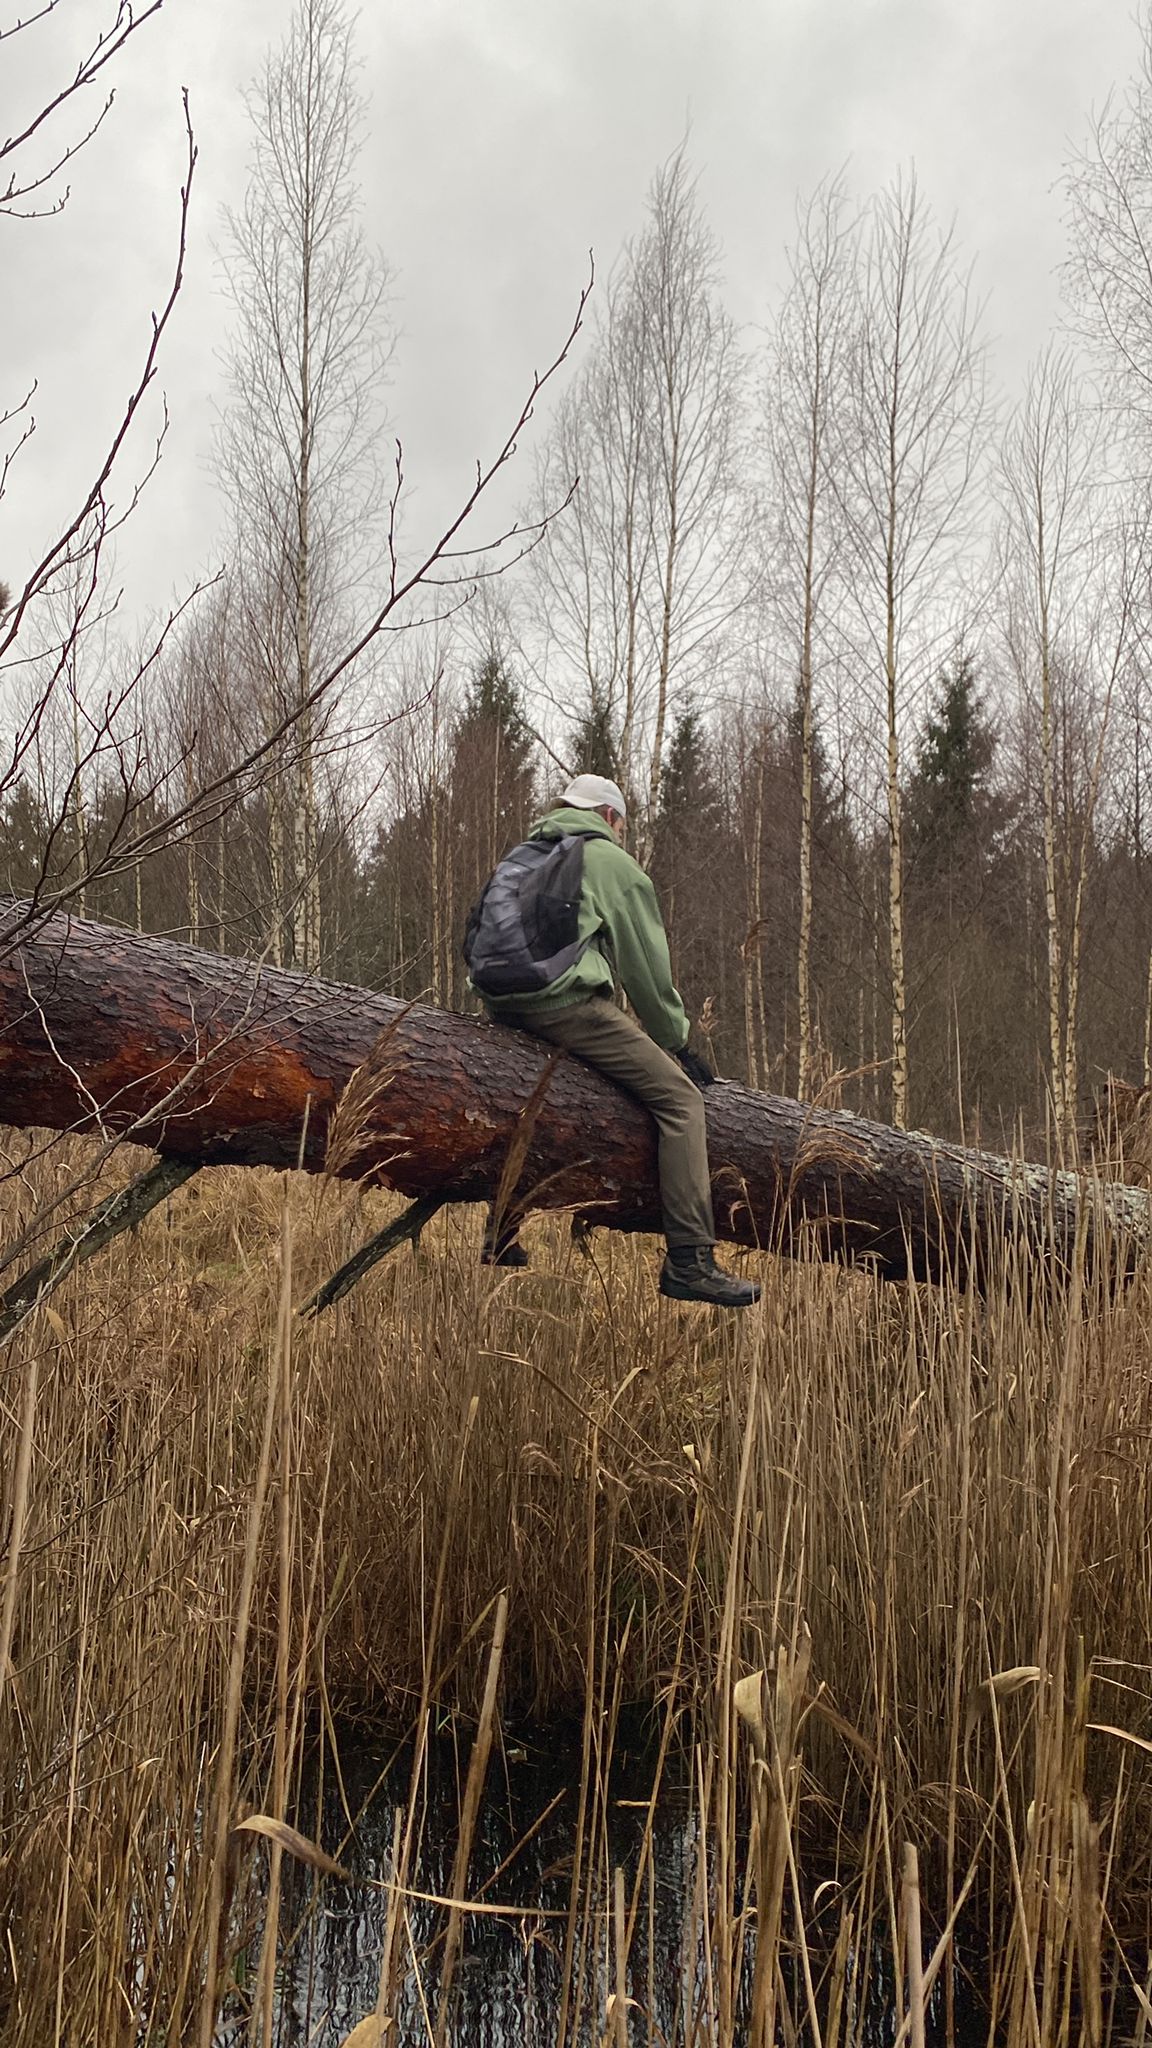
pixel 491 793
pixel 493 700
pixel 595 741
pixel 695 857
pixel 688 791
pixel 30 852
pixel 963 906
pixel 952 815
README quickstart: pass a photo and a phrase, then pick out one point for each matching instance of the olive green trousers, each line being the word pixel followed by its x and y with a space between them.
pixel 611 1040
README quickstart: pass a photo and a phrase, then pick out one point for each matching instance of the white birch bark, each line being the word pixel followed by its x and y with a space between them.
pixel 1049 483
pixel 907 454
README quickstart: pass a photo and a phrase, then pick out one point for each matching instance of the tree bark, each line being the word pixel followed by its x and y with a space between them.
pixel 216 1061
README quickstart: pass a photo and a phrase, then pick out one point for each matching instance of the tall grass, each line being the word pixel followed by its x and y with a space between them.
pixel 879 1562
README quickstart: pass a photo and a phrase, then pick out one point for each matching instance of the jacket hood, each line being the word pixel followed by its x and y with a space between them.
pixel 567 818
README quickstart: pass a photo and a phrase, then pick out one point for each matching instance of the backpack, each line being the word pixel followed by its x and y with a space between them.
pixel 520 936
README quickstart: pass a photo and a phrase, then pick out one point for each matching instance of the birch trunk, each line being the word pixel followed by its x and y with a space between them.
pixel 896 887
pixel 1147 1061
pixel 305 904
pixel 1054 947
pixel 277 864
pixel 804 946
pixel 192 865
pixel 753 1009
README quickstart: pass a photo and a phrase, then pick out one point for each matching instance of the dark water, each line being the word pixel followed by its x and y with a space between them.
pixel 508 1980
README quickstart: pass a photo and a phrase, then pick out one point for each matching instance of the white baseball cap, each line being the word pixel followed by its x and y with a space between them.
pixel 595 793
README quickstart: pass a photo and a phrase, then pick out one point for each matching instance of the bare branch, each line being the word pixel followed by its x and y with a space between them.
pixel 93 506
pixel 107 46
pixel 402 587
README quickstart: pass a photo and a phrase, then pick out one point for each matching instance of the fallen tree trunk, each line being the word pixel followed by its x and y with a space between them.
pixel 216 1061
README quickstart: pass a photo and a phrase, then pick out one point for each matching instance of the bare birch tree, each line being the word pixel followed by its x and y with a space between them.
pixel 1109 281
pixel 1109 270
pixel 638 581
pixel 305 368
pixel 904 465
pixel 1047 470
pixel 1077 564
pixel 803 390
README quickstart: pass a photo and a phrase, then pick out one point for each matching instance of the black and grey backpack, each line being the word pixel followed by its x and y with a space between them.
pixel 520 936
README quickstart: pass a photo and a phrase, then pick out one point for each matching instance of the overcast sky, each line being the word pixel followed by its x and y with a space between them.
pixel 506 138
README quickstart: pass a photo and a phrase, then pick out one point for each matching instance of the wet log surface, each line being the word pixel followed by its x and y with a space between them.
pixel 221 1062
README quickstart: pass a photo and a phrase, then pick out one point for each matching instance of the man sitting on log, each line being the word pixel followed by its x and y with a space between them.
pixel 560 986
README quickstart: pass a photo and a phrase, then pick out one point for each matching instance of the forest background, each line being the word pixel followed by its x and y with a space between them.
pixel 865 643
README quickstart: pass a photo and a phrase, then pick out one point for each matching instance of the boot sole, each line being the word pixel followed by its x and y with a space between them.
pixel 675 1290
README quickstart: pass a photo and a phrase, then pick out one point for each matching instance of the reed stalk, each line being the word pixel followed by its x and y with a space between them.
pixel 470 1812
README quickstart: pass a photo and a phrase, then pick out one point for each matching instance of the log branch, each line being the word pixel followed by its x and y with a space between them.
pixel 403 1229
pixel 118 1212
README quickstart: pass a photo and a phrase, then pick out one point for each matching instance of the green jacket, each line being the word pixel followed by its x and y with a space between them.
pixel 620 917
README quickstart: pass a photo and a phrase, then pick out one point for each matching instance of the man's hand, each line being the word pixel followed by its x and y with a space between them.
pixel 696 1068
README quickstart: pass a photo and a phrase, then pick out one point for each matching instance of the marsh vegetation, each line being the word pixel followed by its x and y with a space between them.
pixel 472 1503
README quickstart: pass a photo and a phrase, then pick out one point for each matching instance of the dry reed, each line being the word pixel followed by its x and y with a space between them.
pixel 221 1534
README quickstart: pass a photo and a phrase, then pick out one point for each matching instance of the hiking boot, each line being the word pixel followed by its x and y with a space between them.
pixel 507 1251
pixel 690 1273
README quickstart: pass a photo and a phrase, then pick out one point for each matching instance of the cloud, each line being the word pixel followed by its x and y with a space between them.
pixel 507 137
